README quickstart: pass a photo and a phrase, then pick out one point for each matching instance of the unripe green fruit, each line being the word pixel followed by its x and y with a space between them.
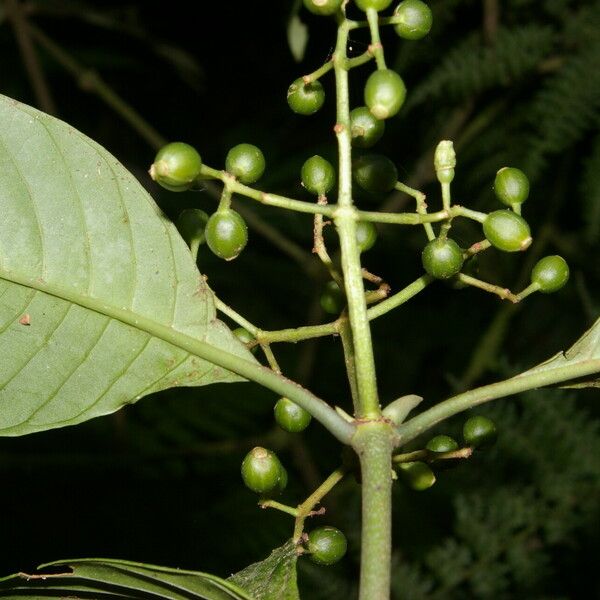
pixel 305 99
pixel 262 472
pixel 318 175
pixel 332 299
pixel 190 224
pixel 366 235
pixel 326 545
pixel 226 234
pixel 365 128
pixel 378 5
pixel 323 7
pixel 442 258
pixel 507 231
pixel 415 19
pixel 385 93
pixel 176 166
pixel 417 475
pixel 550 273
pixel 246 162
pixel 479 432
pixel 290 416
pixel 442 443
pixel 375 173
pixel 242 334
pixel 511 186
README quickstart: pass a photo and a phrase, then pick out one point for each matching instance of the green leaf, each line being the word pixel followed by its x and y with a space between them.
pixel 274 578
pixel 107 578
pixel 90 271
pixel 585 351
pixel 297 35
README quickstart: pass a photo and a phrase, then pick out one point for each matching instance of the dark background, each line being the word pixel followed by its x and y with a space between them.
pixel 512 83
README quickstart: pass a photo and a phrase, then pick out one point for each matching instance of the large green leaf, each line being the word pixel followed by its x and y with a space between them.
pixel 106 578
pixel 88 266
pixel 274 578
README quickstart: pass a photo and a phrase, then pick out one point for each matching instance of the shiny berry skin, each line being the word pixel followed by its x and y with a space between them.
pixel 507 231
pixel 366 235
pixel 550 273
pixel 190 224
pixel 305 99
pixel 511 186
pixel 332 299
pixel 226 234
pixel 322 7
pixel 479 432
pixel 442 258
pixel 246 338
pixel 176 166
pixel 318 175
pixel 385 93
pixel 366 129
pixel 291 417
pixel 376 4
pixel 262 472
pixel 417 475
pixel 375 173
pixel 415 19
pixel 246 162
pixel 442 443
pixel 326 545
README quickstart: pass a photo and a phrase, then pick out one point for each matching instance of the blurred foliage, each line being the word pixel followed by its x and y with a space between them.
pixel 159 482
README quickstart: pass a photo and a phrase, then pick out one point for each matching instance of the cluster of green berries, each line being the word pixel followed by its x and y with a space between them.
pixel 263 473
pixel 478 433
pixel 178 167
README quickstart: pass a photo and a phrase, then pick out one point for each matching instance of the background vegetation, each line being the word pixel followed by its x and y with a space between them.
pixel 513 83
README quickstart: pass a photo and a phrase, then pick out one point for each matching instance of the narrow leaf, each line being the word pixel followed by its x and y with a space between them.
pixel 88 264
pixel 297 35
pixel 107 578
pixel 274 578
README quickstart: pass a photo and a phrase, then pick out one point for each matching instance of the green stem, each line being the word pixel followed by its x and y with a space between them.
pixel 503 293
pixel 430 456
pixel 403 218
pixel 376 47
pixel 400 297
pixel 357 61
pixel 526 381
pixel 421 205
pixel 318 73
pixel 373 444
pixel 349 359
pixel 345 217
pixel 290 510
pixel 235 316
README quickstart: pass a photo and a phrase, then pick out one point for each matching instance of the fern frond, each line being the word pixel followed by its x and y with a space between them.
pixel 472 67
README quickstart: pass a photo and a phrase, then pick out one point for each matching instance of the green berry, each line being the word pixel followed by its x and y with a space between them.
pixel 305 99
pixel 246 338
pixel 442 258
pixel 326 545
pixel 376 4
pixel 323 7
pixel 375 173
pixel 417 475
pixel 190 224
pixel 318 175
pixel 365 128
pixel 507 231
pixel 442 443
pixel 550 273
pixel 366 235
pixel 246 162
pixel 384 93
pixel 290 416
pixel 332 299
pixel 479 432
pixel 415 19
pixel 511 186
pixel 262 472
pixel 176 166
pixel 226 234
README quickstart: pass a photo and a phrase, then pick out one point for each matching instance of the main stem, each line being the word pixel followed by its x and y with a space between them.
pixel 373 438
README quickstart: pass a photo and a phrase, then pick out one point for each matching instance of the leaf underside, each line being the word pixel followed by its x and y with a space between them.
pixel 110 579
pixel 274 578
pixel 81 241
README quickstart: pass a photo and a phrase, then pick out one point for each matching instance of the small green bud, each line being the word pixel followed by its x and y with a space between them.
pixel 444 161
